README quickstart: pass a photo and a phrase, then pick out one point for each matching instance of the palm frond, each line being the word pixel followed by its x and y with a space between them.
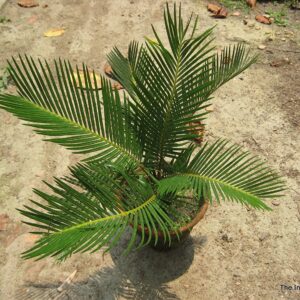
pixel 230 63
pixel 81 119
pixel 171 88
pixel 226 172
pixel 79 220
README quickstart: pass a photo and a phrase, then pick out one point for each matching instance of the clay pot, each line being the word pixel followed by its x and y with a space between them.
pixel 183 233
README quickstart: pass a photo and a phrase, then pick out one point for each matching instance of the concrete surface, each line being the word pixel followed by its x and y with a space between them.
pixel 259 109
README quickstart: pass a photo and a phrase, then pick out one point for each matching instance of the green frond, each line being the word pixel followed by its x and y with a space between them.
pixel 81 119
pixel 94 216
pixel 171 88
pixel 229 63
pixel 226 172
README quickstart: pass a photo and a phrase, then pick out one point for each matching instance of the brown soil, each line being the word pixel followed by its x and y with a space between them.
pixel 234 253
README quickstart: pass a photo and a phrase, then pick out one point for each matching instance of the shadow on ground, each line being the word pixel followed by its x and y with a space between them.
pixel 142 274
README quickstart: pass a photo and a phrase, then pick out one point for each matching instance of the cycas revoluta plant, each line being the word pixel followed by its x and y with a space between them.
pixel 143 167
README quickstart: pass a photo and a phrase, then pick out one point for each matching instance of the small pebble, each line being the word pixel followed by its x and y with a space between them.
pixel 257 27
pixel 283 39
pixel 209 109
pixel 275 203
pixel 226 238
pixel 289 32
pixel 236 13
pixel 262 47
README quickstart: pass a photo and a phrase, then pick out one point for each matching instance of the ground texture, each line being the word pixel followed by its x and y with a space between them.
pixel 234 253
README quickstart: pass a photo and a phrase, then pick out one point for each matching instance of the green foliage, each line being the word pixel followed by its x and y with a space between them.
pixel 171 88
pixel 4 19
pixel 221 172
pixel 142 168
pixel 294 4
pixel 278 16
pixel 80 119
pixel 96 215
pixel 4 80
pixel 236 4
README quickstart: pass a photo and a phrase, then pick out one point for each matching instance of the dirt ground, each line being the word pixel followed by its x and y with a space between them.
pixel 234 253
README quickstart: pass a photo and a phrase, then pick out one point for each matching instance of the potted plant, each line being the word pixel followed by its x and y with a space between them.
pixel 144 166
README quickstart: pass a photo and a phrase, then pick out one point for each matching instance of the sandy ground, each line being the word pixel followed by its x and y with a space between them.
pixel 233 253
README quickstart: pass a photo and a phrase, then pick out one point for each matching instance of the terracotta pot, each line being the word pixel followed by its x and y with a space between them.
pixel 183 233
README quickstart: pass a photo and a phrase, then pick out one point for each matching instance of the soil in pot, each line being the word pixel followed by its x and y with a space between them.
pixel 189 211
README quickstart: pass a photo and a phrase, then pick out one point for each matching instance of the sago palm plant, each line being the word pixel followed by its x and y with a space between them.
pixel 143 168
